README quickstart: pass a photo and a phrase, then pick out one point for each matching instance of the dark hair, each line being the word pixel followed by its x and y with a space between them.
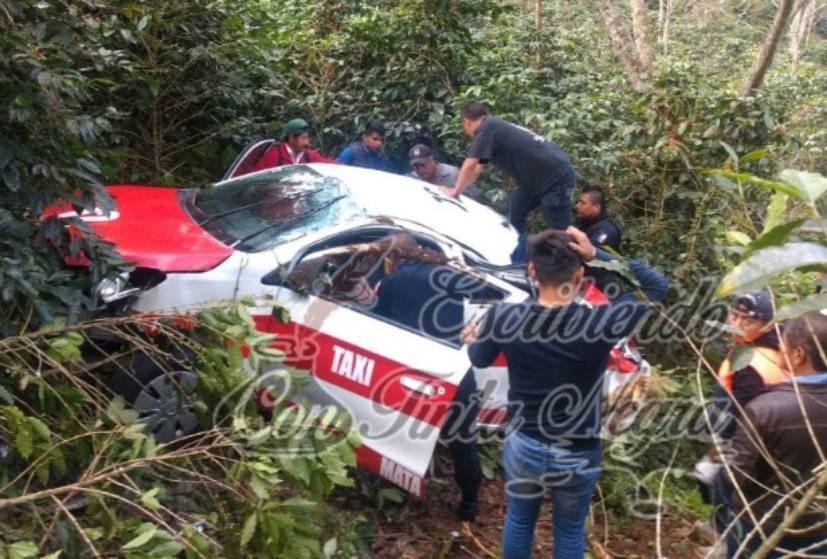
pixel 596 195
pixel 554 260
pixel 473 110
pixel 809 332
pixel 374 126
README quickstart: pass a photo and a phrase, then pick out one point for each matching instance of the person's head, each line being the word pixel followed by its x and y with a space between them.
pixel 591 203
pixel 374 135
pixel 804 342
pixel 472 114
pixel 423 162
pixel 297 134
pixel 751 315
pixel 552 263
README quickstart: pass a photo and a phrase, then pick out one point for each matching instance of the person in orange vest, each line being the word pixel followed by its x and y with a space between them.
pixel 757 348
pixel 757 356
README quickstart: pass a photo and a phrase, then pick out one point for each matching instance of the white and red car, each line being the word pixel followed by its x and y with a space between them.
pixel 276 235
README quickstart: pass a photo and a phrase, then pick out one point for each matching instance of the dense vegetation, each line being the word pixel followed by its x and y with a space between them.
pixel 166 92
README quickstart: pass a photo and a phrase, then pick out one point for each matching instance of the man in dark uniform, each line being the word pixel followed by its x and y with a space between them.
pixel 594 220
pixel 544 173
pixel 424 294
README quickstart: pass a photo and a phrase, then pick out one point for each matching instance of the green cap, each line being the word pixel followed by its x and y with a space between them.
pixel 295 126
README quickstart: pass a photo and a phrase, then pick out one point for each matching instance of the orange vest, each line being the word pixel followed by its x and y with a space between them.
pixel 767 362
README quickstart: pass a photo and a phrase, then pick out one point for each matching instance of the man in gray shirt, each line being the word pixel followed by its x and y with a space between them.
pixel 426 168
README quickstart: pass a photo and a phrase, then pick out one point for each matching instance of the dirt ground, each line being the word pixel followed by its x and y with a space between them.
pixel 430 529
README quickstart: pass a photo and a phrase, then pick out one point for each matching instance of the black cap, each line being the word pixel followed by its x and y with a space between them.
pixel 420 153
pixel 755 305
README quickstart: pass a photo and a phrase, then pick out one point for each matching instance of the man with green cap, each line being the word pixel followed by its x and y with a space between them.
pixel 293 149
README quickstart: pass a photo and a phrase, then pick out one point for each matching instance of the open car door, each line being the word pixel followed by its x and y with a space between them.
pixel 250 154
pixel 395 382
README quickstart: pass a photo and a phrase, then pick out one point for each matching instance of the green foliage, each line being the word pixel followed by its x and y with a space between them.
pixel 246 486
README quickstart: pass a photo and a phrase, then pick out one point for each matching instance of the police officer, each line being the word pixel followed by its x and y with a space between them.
pixel 594 220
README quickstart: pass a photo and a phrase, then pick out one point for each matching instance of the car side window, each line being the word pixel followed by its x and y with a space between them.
pixel 420 296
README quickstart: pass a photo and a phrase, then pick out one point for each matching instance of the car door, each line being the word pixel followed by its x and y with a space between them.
pixel 395 383
pixel 249 154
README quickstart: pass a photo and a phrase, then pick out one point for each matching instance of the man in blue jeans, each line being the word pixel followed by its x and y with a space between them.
pixel 544 173
pixel 556 349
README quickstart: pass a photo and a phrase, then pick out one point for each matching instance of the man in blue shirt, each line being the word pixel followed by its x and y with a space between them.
pixel 556 350
pixel 368 152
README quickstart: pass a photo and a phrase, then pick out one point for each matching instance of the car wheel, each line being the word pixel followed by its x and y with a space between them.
pixel 161 396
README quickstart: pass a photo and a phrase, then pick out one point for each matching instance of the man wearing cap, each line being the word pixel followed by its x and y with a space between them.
pixel 544 173
pixel 292 150
pixel 425 167
pixel 762 366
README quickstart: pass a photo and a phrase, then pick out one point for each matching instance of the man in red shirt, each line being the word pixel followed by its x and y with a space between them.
pixel 293 149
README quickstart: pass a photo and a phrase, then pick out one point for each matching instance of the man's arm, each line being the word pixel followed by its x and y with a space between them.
pixel 314 156
pixel 483 348
pixel 653 284
pixel 468 174
pixel 346 156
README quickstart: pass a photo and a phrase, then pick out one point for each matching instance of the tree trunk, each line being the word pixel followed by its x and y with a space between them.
pixel 668 6
pixel 805 15
pixel 768 49
pixel 538 27
pixel 620 44
pixel 640 29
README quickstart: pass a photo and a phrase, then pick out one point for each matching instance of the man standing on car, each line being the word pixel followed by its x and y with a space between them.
pixel 556 350
pixel 368 152
pixel 293 149
pixel 544 173
pixel 425 167
pixel 594 220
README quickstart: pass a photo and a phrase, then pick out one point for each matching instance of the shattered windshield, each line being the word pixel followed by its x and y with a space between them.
pixel 259 211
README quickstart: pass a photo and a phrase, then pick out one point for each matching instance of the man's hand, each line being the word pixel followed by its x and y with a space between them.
pixel 469 333
pixel 581 245
pixel 450 192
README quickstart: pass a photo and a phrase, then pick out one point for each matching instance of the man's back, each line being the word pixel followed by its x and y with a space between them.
pixel 775 418
pixel 531 159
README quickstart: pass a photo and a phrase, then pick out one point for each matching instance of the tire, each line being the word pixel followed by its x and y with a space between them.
pixel 159 395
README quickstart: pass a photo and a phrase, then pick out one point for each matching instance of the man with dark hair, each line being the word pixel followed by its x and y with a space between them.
pixel 593 218
pixel 368 152
pixel 293 149
pixel 556 349
pixel 777 450
pixel 544 173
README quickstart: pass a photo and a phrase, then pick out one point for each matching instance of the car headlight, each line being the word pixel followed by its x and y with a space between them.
pixel 110 290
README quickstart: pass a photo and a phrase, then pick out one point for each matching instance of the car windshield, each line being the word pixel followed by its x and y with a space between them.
pixel 259 211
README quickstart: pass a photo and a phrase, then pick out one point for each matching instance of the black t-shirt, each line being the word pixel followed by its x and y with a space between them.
pixel 532 160
pixel 557 356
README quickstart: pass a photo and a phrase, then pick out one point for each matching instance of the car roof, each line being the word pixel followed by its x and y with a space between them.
pixel 465 221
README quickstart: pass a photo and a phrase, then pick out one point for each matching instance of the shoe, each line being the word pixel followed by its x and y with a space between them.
pixel 467 510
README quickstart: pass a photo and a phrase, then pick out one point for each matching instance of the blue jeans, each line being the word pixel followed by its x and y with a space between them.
pixel 532 466
pixel 555 201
